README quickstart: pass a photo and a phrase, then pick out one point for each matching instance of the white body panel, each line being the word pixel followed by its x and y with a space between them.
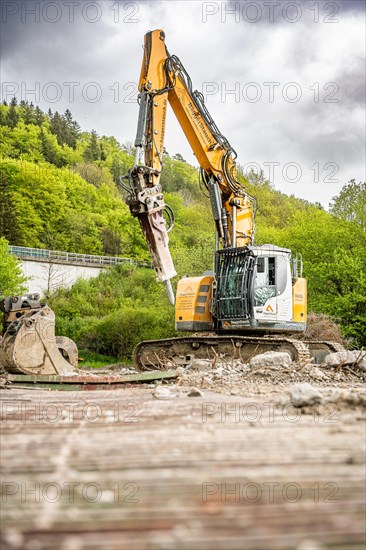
pixel 273 288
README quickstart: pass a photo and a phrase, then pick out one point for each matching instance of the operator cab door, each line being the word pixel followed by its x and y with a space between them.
pixel 273 289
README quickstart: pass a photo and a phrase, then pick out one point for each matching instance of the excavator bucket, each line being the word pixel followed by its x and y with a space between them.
pixel 29 345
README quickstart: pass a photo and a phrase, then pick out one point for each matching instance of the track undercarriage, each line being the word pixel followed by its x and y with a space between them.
pixel 181 351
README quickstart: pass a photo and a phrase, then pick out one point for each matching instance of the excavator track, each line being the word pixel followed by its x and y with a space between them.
pixel 174 352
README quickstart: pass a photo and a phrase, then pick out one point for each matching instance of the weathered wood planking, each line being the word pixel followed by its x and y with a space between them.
pixel 184 473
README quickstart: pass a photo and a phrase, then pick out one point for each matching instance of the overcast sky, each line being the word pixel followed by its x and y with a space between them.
pixel 295 71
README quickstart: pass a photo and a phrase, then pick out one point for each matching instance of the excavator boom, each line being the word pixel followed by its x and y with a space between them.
pixel 164 80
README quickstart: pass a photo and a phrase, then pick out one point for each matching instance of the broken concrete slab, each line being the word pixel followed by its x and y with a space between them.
pixel 346 358
pixel 304 394
pixel 317 374
pixel 201 364
pixel 271 359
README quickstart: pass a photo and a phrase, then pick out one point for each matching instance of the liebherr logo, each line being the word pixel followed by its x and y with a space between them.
pixel 196 117
pixel 187 291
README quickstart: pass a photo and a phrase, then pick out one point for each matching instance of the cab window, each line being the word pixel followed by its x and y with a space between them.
pixel 265 280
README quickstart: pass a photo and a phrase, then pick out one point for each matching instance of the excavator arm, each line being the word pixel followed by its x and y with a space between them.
pixel 163 79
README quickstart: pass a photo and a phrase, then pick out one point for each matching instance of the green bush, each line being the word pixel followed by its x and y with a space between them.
pixel 12 280
pixel 113 312
pixel 118 333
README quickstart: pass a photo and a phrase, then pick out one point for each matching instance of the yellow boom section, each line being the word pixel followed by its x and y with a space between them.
pixel 163 79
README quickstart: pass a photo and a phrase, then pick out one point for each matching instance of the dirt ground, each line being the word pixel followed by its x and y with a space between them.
pixel 212 460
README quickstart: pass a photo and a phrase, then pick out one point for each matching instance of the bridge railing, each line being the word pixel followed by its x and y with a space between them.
pixel 40 254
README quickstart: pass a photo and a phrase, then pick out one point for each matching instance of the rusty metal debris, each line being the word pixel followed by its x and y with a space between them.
pixel 87 381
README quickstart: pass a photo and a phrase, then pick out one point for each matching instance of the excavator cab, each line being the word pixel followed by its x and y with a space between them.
pixel 255 288
pixel 273 289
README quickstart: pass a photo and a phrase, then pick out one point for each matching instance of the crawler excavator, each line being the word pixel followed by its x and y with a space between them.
pixel 255 299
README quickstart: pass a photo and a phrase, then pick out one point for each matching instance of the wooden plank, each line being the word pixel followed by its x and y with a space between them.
pixel 151 461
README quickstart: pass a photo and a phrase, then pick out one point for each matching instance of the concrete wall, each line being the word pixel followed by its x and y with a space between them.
pixel 50 276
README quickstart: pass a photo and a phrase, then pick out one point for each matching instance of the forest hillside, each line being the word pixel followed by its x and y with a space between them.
pixel 59 190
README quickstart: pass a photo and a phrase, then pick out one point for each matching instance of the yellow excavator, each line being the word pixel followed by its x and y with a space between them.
pixel 255 298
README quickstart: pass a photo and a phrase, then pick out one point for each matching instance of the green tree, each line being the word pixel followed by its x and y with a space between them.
pixel 12 280
pixel 48 148
pixel 350 204
pixel 103 155
pixel 111 242
pixel 91 173
pixel 72 129
pixel 119 163
pixel 179 157
pixel 116 169
pixel 13 115
pixel 92 151
pixel 38 116
pixel 25 140
pixel 179 176
pixel 3 114
pixel 114 311
pixel 334 254
pixel 9 227
pixel 26 112
pixel 58 128
pixel 29 117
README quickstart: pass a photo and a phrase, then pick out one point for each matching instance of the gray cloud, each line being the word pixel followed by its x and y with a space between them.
pixel 351 81
pixel 284 12
pixel 352 5
pixel 228 54
pixel 69 44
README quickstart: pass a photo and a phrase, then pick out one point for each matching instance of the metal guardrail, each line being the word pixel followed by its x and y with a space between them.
pixel 40 254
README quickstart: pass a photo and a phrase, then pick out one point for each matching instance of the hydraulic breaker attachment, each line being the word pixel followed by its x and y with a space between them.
pixel 145 197
pixel 146 202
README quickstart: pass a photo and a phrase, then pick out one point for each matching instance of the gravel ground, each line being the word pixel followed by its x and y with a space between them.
pixel 344 386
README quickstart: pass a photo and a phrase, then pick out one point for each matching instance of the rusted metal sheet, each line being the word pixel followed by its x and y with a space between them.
pixel 87 381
